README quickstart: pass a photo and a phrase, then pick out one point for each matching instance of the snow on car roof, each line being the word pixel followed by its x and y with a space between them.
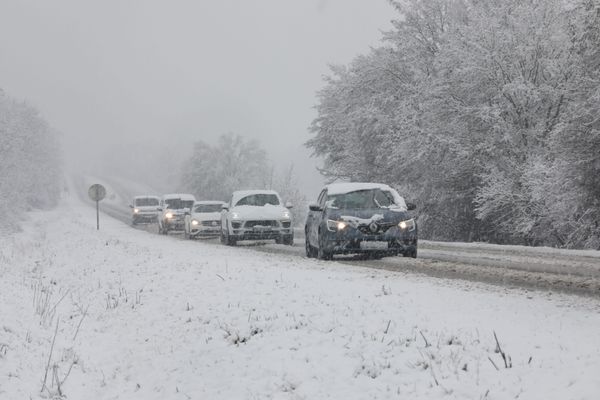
pixel 209 202
pixel 341 188
pixel 182 196
pixel 146 196
pixel 239 194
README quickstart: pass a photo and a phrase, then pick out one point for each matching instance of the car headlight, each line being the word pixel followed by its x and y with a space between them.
pixel 235 215
pixel 169 215
pixel 286 215
pixel 195 223
pixel 136 210
pixel 334 226
pixel 408 225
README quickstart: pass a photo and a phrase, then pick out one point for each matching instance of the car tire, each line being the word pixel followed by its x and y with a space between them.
pixel 375 255
pixel 411 254
pixel 288 240
pixel 230 241
pixel 323 254
pixel 311 252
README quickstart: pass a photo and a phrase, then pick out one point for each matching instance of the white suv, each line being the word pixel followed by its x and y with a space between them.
pixel 173 208
pixel 256 215
pixel 204 219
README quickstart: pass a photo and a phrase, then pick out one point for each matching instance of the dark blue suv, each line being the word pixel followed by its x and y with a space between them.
pixel 360 218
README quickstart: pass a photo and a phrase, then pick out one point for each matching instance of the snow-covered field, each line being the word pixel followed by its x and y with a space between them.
pixel 141 316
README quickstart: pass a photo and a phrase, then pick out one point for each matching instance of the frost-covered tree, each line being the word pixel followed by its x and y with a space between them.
pixel 215 171
pixel 483 112
pixel 576 169
pixel 30 166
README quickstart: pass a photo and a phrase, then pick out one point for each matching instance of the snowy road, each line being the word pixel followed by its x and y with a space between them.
pixel 125 314
pixel 546 269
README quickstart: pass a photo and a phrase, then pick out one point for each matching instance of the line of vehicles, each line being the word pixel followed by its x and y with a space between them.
pixel 347 218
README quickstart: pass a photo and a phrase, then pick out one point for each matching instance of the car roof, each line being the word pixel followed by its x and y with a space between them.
pixel 146 196
pixel 347 187
pixel 182 196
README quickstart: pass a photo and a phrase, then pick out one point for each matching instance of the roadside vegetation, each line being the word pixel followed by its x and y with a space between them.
pixel 214 171
pixel 30 167
pixel 485 112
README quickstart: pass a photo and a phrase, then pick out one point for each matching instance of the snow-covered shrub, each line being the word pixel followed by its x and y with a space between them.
pixel 29 162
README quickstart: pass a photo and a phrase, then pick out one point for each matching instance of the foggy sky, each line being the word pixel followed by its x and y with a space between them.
pixel 117 77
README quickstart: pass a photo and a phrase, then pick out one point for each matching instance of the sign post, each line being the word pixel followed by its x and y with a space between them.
pixel 97 192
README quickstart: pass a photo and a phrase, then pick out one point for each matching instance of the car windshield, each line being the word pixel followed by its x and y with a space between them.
pixel 178 204
pixel 146 202
pixel 362 199
pixel 207 208
pixel 258 200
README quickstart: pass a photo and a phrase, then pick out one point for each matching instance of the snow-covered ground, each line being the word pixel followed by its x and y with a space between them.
pixel 142 316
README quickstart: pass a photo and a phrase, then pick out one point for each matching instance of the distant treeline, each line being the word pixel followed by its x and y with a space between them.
pixel 484 113
pixel 215 171
pixel 30 167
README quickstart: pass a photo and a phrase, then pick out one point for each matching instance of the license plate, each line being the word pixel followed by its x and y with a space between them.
pixel 374 245
pixel 260 228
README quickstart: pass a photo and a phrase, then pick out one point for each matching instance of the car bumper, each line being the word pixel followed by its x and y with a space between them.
pixel 272 233
pixel 394 241
pixel 144 217
pixel 205 231
pixel 174 225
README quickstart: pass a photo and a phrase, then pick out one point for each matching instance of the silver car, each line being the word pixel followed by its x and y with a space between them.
pixel 204 219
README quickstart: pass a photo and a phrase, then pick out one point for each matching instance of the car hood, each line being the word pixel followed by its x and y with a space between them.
pixel 213 216
pixel 147 208
pixel 366 216
pixel 265 212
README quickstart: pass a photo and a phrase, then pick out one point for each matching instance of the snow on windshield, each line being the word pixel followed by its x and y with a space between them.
pixel 208 208
pixel 178 204
pixel 146 201
pixel 364 199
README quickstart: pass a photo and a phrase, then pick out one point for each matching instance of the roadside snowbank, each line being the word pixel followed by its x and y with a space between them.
pixel 142 316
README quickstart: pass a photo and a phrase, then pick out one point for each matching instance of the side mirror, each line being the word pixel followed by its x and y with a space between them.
pixel 159 208
pixel 225 207
pixel 131 206
pixel 411 206
pixel 314 207
pixel 289 205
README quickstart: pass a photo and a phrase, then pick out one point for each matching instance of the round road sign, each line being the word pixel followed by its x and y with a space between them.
pixel 97 192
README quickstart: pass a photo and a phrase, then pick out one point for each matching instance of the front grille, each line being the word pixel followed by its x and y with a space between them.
pixel 251 224
pixel 211 223
pixel 382 227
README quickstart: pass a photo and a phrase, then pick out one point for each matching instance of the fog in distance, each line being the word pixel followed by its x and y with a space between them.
pixel 132 85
